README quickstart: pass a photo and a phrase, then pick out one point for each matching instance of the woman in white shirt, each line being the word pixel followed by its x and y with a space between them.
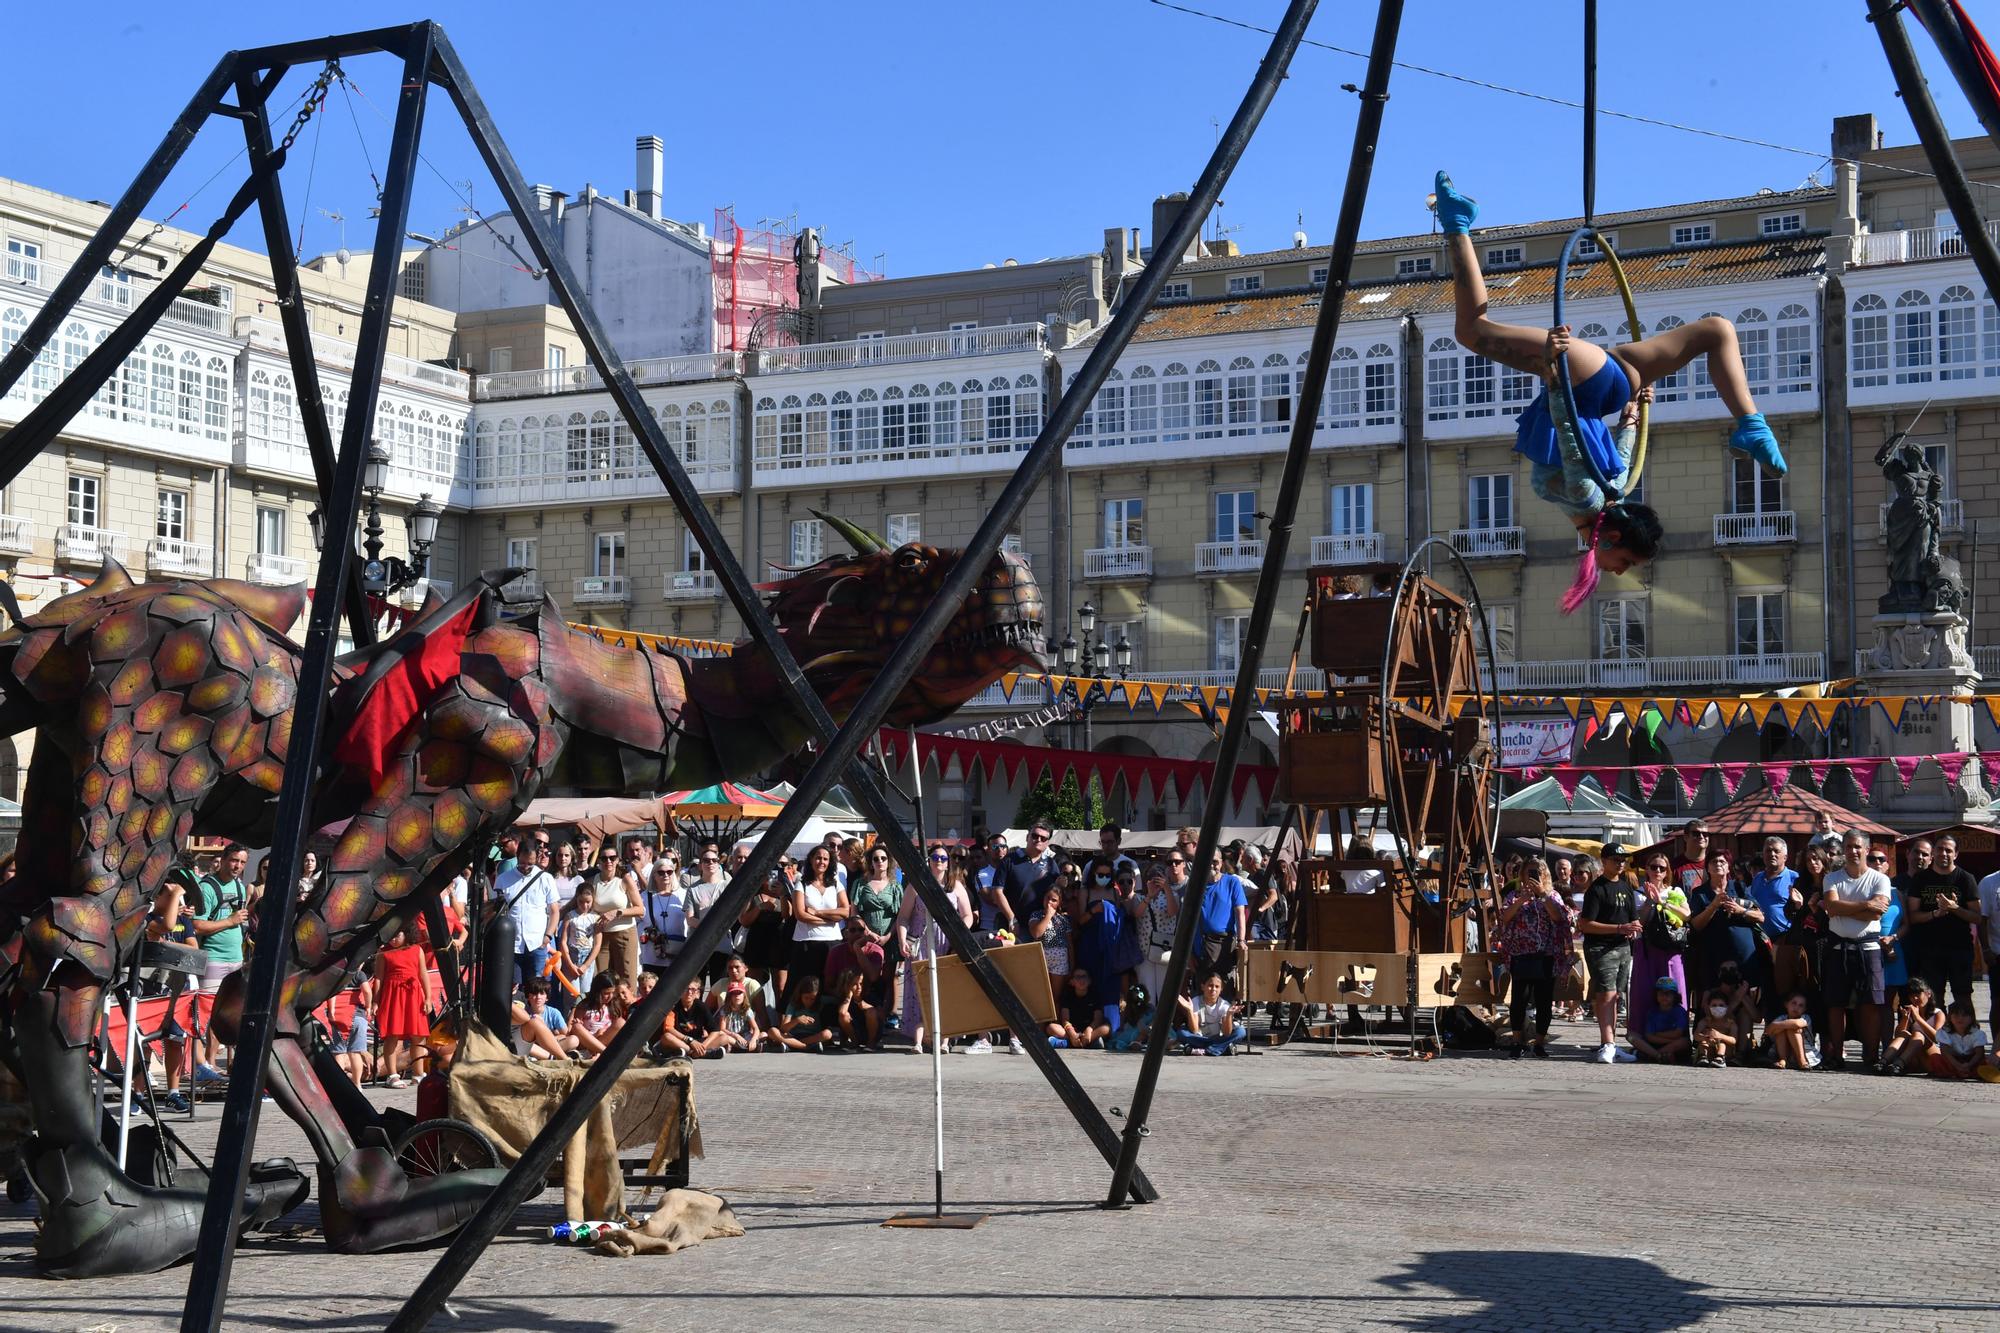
pixel 665 912
pixel 819 905
pixel 619 906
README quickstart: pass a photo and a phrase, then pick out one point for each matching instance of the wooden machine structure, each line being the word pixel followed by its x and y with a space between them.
pixel 1403 737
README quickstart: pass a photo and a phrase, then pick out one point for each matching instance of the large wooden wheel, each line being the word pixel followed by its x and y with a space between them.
pixel 1441 769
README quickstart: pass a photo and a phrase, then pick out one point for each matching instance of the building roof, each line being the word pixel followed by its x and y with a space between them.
pixel 1649 271
pixel 1513 231
pixel 1787 811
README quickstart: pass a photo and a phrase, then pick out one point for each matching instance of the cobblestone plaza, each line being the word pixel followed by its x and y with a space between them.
pixel 1301 1190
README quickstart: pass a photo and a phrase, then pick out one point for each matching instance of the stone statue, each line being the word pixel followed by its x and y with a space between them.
pixel 1921 577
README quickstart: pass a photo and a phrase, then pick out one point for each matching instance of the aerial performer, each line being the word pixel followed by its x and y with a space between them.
pixel 1609 382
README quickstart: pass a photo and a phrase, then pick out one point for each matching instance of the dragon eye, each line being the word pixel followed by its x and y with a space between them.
pixel 911 558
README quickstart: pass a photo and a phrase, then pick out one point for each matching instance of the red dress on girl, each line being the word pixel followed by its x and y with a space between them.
pixel 401 1010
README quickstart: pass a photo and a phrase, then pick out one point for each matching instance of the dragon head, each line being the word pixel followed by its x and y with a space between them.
pixel 845 615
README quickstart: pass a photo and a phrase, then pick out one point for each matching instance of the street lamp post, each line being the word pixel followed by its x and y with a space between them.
pixel 383 577
pixel 1100 654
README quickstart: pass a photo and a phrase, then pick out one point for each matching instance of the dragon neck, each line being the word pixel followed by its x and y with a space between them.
pixel 740 723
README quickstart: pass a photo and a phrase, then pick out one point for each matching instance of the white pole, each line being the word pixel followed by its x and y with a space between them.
pixel 131 1053
pixel 937 1058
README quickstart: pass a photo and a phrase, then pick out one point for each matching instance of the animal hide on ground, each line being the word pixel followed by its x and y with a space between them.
pixel 685 1217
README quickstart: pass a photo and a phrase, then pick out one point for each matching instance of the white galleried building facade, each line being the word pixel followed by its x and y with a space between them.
pixel 1856 304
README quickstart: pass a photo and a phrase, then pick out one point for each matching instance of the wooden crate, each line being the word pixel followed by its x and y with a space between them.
pixel 1272 974
pixel 1321 769
pixel 1348 636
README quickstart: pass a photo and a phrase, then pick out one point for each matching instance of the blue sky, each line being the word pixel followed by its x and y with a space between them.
pixel 943 136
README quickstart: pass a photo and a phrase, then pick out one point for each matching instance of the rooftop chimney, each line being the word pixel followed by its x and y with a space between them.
pixel 652 173
pixel 1166 210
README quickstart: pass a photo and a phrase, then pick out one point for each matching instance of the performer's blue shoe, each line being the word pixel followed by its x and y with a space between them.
pixel 1455 212
pixel 1753 437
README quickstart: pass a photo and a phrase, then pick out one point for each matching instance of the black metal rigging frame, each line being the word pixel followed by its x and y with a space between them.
pixel 429 59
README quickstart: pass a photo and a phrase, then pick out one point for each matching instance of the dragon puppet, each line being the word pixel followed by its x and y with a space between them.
pixel 164 710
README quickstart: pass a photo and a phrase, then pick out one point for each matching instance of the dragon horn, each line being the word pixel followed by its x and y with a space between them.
pixel 863 541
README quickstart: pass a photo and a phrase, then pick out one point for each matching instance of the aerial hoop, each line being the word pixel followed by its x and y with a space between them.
pixel 1612 493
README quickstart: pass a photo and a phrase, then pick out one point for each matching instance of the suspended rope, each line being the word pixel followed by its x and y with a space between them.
pixel 1563 406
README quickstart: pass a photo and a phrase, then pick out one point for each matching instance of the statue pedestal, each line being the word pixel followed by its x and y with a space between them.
pixel 1924 653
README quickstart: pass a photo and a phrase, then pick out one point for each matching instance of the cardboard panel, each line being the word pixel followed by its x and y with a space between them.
pixel 1324 977
pixel 966 1008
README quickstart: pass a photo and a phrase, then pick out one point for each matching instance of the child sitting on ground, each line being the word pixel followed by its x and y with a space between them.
pixel 1607 382
pixel 1918 1021
pixel 857 1019
pixel 1135 1019
pixel 596 1019
pixel 737 1021
pixel 1961 1043
pixel 1788 1035
pixel 1664 1038
pixel 1208 1025
pixel 1716 1037
pixel 802 1027
pixel 1079 1024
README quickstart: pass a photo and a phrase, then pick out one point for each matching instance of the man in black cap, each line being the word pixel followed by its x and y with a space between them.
pixel 1609 923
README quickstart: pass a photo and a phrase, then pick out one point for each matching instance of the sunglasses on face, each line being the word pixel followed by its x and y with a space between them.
pixel 940 856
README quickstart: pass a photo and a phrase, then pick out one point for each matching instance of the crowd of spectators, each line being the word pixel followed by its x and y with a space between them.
pixel 1716 963
pixel 822 959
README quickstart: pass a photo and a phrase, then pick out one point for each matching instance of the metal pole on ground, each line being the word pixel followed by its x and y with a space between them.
pixel 1361 160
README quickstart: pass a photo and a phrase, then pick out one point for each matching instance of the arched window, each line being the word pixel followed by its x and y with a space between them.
pixel 1441 380
pixel 1753 336
pixel 427 456
pixel 286 424
pixel 1027 409
pixel 188 393
pixel 944 418
pixel 1594 333
pixel 1913 350
pixel 1208 401
pixel 1378 386
pixel 1957 334
pixel 1792 341
pixel 1868 341
pixel 1274 394
pixel 972 415
pixel 764 434
pixel 215 400
pixel 1671 388
pixel 698 446
pixel 1176 423
pixel 506 464
pixel 841 425
pixel 75 346
pixel 257 407
pixel 1142 406
pixel 576 447
pixel 816 429
pixel 791 431
pixel 670 426
pixel 485 459
pixel 160 383
pixel 1241 406
pixel 867 425
pixel 1341 408
pixel 999 416
pixel 13 323
pixel 1111 410
pixel 918 421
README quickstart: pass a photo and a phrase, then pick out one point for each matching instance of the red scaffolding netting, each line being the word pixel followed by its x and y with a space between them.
pixel 756 275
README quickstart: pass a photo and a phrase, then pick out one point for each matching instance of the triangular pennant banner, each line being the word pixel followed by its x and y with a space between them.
pixel 1568 778
pixel 1820 770
pixel 1775 775
pixel 1648 776
pixel 1952 765
pixel 1132 690
pixel 1690 780
pixel 1990 763
pixel 1863 772
pixel 1732 778
pixel 1906 768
